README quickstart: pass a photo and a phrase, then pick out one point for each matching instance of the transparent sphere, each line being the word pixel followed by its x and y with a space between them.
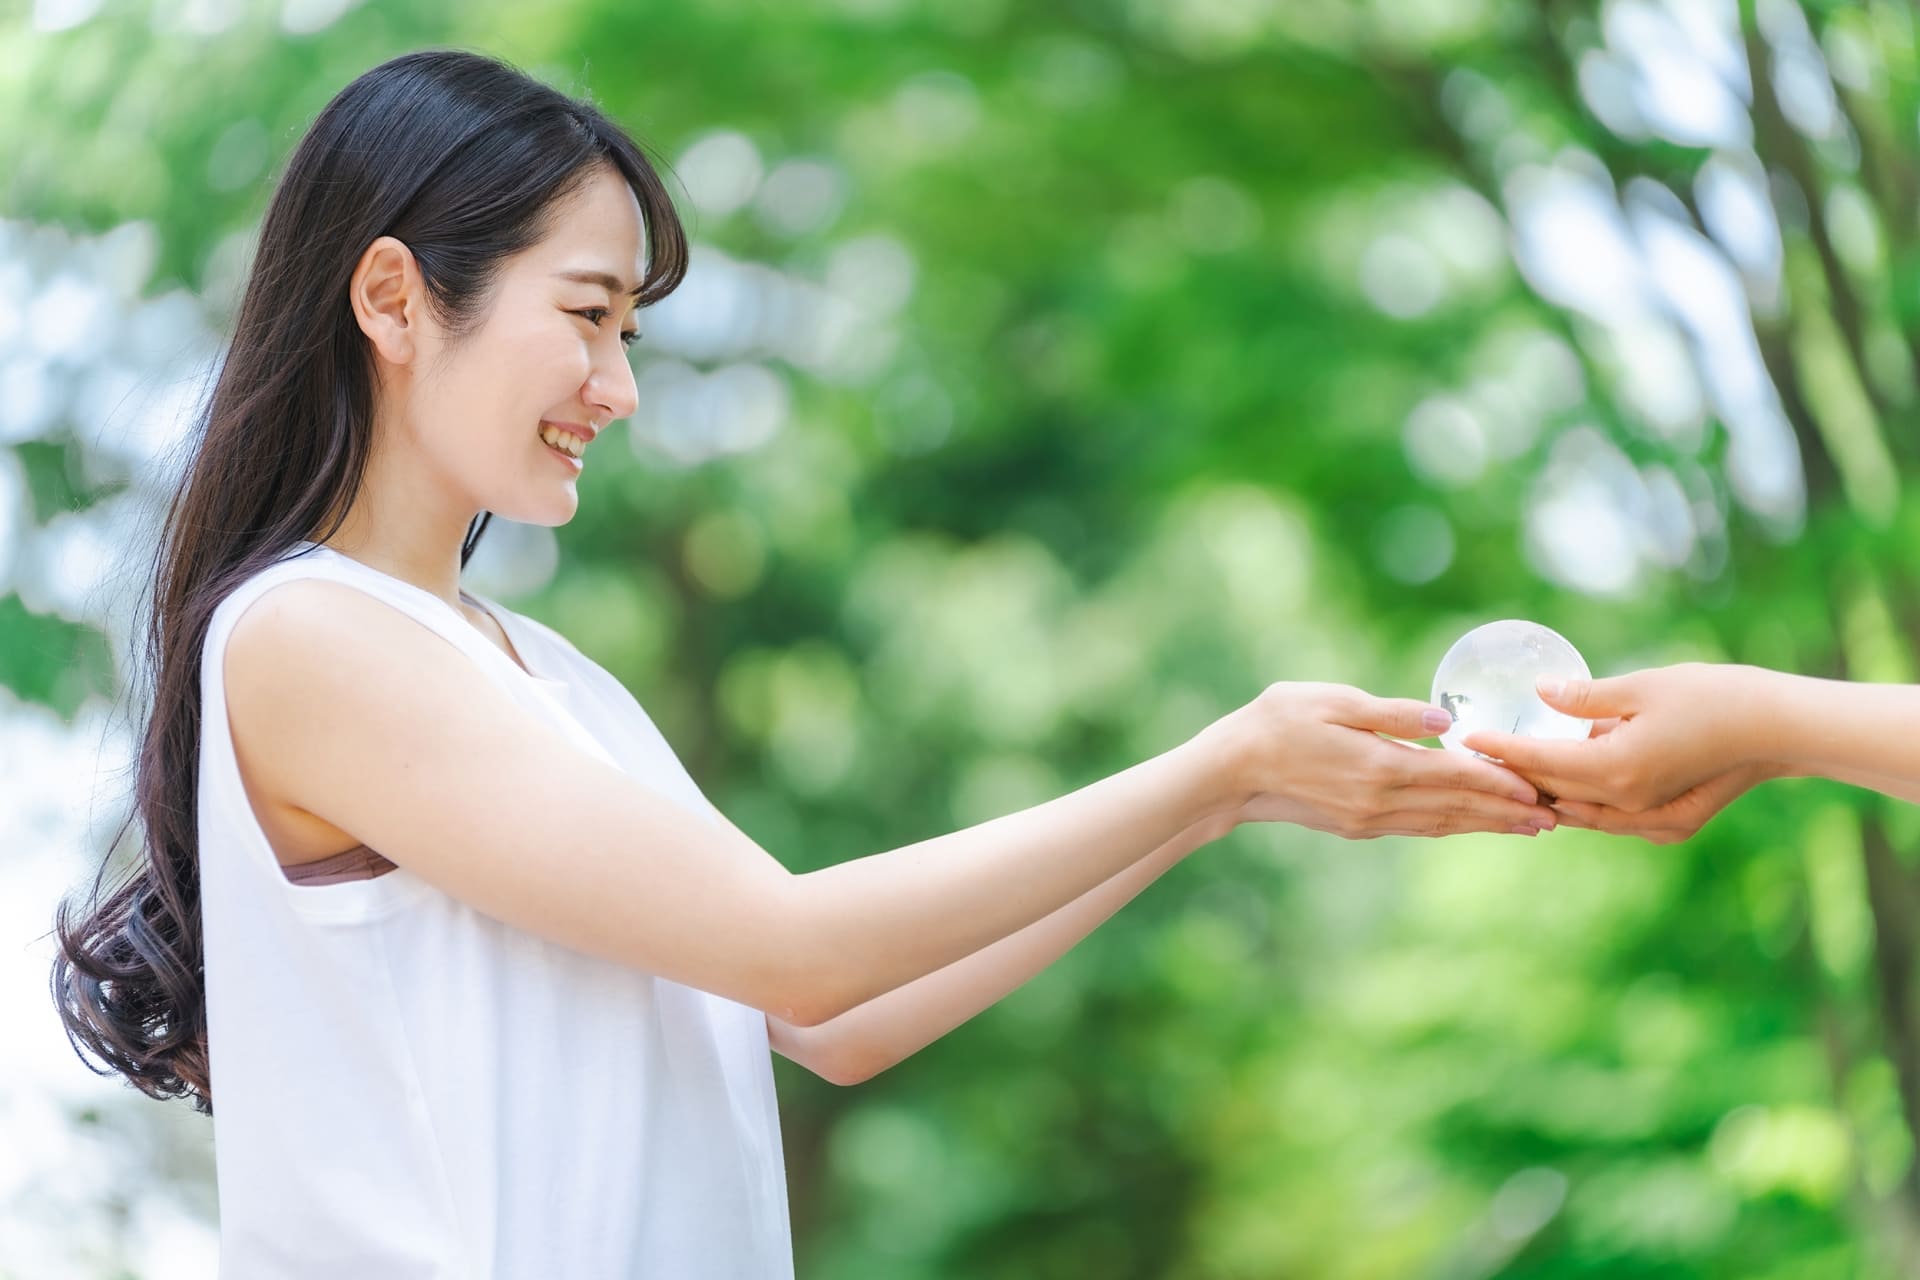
pixel 1486 681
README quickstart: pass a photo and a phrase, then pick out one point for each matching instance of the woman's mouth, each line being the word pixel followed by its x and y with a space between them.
pixel 563 443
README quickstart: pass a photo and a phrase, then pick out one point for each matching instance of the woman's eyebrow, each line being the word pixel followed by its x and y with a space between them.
pixel 611 284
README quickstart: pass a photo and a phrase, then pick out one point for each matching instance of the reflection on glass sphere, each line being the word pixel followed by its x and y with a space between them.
pixel 1486 681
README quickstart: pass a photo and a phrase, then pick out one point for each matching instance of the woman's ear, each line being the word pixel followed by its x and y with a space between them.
pixel 388 298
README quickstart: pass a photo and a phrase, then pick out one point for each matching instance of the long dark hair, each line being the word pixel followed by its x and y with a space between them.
pixel 463 159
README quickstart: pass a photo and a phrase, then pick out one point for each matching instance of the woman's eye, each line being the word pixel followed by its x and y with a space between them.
pixel 594 315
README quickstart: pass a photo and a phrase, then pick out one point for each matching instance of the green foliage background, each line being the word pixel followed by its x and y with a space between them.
pixel 1136 444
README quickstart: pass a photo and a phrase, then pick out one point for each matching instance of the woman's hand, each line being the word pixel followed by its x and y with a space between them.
pixel 1312 754
pixel 1670 747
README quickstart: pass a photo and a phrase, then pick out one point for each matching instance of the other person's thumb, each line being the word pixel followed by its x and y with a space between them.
pixel 1587 699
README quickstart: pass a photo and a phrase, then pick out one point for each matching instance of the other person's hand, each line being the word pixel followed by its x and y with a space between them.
pixel 1670 747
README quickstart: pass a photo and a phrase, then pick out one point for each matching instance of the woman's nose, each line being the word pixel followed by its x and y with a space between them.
pixel 613 387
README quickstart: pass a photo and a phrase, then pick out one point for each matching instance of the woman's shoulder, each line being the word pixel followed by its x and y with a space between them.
pixel 297 562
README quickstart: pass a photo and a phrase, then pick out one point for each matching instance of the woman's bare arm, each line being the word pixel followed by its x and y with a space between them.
pixel 355 712
pixel 890 1028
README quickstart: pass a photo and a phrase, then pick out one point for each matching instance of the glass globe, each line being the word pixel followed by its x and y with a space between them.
pixel 1486 681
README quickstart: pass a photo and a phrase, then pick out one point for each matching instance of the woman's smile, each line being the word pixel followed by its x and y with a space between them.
pixel 568 444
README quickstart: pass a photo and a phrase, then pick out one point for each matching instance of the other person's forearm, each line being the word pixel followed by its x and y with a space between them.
pixel 1856 733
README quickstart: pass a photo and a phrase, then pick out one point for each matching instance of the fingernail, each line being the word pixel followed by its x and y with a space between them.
pixel 1545 824
pixel 1436 721
pixel 1550 686
pixel 1526 831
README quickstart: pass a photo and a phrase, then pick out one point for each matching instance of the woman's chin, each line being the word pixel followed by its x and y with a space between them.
pixel 549 510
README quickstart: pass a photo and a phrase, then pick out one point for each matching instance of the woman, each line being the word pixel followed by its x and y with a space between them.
pixel 486 985
pixel 1672 746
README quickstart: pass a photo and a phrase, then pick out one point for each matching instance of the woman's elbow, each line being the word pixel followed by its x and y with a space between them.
pixel 800 996
pixel 851 1065
pixel 802 1008
pixel 826 1050
pixel 807 994
pixel 807 981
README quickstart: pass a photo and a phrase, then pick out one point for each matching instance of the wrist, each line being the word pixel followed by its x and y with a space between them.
pixel 1222 755
pixel 1777 706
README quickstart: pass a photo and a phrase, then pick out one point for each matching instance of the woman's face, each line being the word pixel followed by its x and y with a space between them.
pixel 550 349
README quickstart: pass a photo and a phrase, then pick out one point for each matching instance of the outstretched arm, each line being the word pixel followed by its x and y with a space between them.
pixel 884 1031
pixel 346 708
pixel 888 1029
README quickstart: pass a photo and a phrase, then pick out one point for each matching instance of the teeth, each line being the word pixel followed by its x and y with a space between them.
pixel 565 441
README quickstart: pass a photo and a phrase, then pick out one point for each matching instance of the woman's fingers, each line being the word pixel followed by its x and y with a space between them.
pixel 1430 767
pixel 1569 770
pixel 1480 810
pixel 1440 822
pixel 1583 813
pixel 1401 717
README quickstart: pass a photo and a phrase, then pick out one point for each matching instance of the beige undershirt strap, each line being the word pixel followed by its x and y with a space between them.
pixel 357 863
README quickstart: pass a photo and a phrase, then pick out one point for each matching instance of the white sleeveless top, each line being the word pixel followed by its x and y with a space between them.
pixel 406 1089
